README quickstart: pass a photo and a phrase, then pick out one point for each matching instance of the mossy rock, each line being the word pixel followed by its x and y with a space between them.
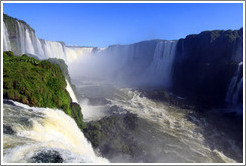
pixel 38 83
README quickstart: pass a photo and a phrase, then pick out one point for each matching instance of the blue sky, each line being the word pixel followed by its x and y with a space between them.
pixel 106 24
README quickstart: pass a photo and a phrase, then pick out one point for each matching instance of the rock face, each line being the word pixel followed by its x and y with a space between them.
pixel 205 64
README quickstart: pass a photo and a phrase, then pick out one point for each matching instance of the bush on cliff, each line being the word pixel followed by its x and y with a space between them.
pixel 64 69
pixel 37 83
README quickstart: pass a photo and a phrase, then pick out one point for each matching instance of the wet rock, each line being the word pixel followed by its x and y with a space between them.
pixel 98 101
pixel 113 137
pixel 115 110
pixel 8 102
pixel 50 156
pixel 8 130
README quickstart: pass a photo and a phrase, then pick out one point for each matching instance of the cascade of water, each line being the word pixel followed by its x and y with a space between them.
pixel 29 43
pixel 161 66
pixel 235 85
pixel 54 50
pixel 151 62
pixel 237 50
pixel 73 53
pixel 6 42
pixel 37 45
pixel 21 38
pixel 50 129
pixel 237 91
pixel 71 93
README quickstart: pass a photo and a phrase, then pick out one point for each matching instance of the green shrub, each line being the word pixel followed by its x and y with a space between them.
pixel 37 83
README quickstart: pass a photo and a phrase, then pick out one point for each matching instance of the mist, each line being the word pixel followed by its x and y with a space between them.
pixel 145 64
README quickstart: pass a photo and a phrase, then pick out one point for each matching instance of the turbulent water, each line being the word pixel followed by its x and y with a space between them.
pixel 36 131
pixel 235 86
pixel 166 133
pixel 44 135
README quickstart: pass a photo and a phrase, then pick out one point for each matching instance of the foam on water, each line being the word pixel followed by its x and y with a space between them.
pixel 50 129
pixel 173 123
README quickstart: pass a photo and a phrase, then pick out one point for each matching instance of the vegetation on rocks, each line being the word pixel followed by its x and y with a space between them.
pixel 64 69
pixel 10 20
pixel 37 83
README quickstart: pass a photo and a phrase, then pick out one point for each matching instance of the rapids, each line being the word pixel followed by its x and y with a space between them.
pixel 166 133
pixel 38 131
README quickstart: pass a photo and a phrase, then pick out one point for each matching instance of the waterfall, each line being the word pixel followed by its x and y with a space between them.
pixel 54 50
pixel 73 53
pixel 20 32
pixel 71 93
pixel 6 42
pixel 161 66
pixel 237 50
pixel 43 130
pixel 235 85
pixel 148 62
pixel 28 43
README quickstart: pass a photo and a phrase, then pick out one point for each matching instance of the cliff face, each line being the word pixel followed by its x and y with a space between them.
pixel 205 64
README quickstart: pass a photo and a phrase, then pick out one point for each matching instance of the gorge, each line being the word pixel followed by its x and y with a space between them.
pixel 169 93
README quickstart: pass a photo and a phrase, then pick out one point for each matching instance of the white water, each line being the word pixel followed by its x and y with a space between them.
pixel 126 64
pixel 173 137
pixel 93 112
pixel 161 66
pixel 6 42
pixel 51 129
pixel 28 42
pixel 141 64
pixel 235 85
pixel 182 139
pixel 172 121
pixel 73 53
pixel 71 92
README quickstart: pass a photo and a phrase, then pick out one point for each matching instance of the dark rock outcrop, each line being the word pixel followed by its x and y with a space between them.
pixel 49 156
pixel 113 136
pixel 205 64
pixel 8 130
